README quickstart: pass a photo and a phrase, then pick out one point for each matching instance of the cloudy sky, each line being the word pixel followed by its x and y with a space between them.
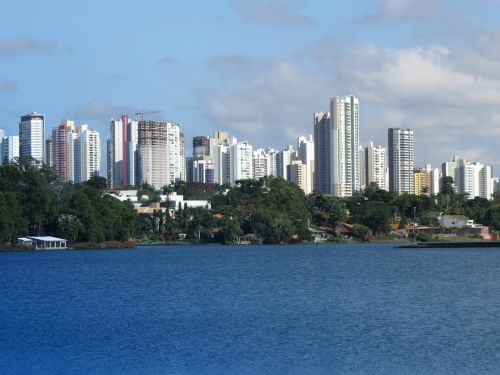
pixel 260 68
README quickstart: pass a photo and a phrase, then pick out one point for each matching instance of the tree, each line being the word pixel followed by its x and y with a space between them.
pixel 97 182
pixel 375 215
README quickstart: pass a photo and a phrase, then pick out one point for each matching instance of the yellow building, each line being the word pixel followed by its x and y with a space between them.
pixel 422 182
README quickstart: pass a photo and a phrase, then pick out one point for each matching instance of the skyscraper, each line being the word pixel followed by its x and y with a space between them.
pixel 401 160
pixel 241 161
pixel 322 180
pixel 63 150
pixel 118 149
pixel 32 136
pixel 344 146
pixel 159 153
pixel 89 148
pixel 305 150
pixel 10 148
pixel 374 165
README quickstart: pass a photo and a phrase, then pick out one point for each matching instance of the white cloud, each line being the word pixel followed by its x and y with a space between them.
pixel 266 103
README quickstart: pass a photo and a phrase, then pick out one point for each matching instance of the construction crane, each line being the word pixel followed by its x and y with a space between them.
pixel 142 113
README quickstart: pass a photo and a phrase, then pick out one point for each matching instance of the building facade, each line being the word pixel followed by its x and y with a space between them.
pixel 401 160
pixel 322 159
pixel 374 166
pixel 305 153
pixel 159 153
pixel 344 146
pixel 32 136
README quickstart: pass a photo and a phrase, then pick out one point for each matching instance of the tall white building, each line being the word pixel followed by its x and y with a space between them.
pixel 305 150
pixel 374 165
pixel 260 161
pixel 131 153
pixel 220 150
pixel 473 178
pixel 283 160
pixel 32 136
pixel 241 161
pixel 435 179
pixel 344 145
pixel 9 149
pixel 159 153
pixel 272 162
pixel 401 160
pixel 89 147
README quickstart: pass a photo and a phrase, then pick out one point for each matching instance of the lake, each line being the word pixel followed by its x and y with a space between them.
pixel 299 309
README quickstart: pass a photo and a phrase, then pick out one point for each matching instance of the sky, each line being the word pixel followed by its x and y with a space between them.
pixel 259 69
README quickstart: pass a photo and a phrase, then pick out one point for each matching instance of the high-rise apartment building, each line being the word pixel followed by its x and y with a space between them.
pixel 473 179
pixel 344 146
pixel 241 161
pixel 435 179
pixel 421 182
pixel 32 136
pixel 322 180
pixel 201 146
pixel 374 166
pixel 117 152
pixel 89 154
pixel 297 172
pixel 159 153
pixel 63 150
pixel 401 160
pixel 9 149
pixel 305 151
pixel 283 160
pixel 259 161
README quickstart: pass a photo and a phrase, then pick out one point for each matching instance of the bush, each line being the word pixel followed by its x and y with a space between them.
pixel 425 237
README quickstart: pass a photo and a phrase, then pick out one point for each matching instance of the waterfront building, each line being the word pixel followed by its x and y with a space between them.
pixel 159 153
pixel 88 161
pixel 344 146
pixel 131 153
pixel 117 152
pixel 9 149
pixel 435 179
pixel 63 150
pixel 49 152
pixel 373 165
pixel 401 160
pixel 422 182
pixel 201 146
pixel 222 162
pixel 241 161
pixel 32 136
pixel 260 162
pixel 283 160
pixel 322 180
pixel 272 162
pixel 473 179
pixel 305 151
pixel 297 172
pixel 203 170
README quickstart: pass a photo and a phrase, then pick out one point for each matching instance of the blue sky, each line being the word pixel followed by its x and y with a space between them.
pixel 260 68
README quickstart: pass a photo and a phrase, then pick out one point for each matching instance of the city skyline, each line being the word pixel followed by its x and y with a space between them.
pixel 409 63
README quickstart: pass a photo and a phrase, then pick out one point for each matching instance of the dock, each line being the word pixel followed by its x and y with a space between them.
pixel 448 244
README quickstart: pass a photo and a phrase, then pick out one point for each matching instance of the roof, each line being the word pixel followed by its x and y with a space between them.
pixel 25 239
pixel 47 238
pixel 456 217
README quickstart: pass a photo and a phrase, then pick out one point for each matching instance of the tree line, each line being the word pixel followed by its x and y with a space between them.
pixel 33 201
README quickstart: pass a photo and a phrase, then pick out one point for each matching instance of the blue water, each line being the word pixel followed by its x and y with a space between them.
pixel 302 309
